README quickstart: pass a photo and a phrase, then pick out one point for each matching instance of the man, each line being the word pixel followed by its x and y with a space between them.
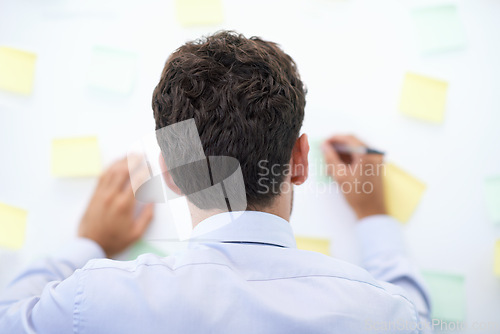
pixel 247 100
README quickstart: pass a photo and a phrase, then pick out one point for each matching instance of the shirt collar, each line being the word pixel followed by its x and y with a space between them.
pixel 245 226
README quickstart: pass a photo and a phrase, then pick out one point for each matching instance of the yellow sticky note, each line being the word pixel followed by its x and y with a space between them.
pixel 423 98
pixel 497 258
pixel 402 192
pixel 75 157
pixel 12 226
pixel 313 244
pixel 17 70
pixel 199 12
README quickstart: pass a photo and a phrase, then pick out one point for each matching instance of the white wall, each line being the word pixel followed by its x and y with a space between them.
pixel 352 55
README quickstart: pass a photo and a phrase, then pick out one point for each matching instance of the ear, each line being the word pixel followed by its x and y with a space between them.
pixel 167 177
pixel 298 163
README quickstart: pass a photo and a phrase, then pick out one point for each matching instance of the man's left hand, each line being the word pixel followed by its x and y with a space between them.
pixel 110 218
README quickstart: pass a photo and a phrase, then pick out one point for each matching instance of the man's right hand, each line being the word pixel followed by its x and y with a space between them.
pixel 359 176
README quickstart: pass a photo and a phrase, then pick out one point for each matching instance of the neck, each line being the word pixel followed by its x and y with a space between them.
pixel 281 206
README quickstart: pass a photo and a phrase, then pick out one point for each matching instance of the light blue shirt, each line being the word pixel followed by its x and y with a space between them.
pixel 253 279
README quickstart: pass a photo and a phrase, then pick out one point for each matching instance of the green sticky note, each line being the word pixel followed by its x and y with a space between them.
pixel 439 28
pixel 447 295
pixel 17 70
pixel 492 192
pixel 317 161
pixel 12 226
pixel 144 247
pixel 112 70
pixel 199 12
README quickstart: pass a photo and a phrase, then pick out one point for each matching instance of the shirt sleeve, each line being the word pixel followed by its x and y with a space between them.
pixel 383 255
pixel 41 299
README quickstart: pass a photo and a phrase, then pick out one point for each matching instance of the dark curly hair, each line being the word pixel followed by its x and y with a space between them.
pixel 247 100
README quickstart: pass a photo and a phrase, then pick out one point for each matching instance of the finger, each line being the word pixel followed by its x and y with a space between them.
pixel 107 176
pixel 103 180
pixel 374 159
pixel 357 158
pixel 332 158
pixel 142 222
pixel 119 176
pixel 127 194
pixel 343 143
pixel 348 140
pixel 134 160
pixel 140 175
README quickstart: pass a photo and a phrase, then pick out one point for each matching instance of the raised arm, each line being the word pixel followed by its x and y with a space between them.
pixel 359 177
pixel 41 299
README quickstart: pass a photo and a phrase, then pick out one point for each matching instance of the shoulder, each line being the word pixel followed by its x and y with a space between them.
pixel 145 260
pixel 345 274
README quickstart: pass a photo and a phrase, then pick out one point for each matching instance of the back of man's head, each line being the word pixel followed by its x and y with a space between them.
pixel 247 100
